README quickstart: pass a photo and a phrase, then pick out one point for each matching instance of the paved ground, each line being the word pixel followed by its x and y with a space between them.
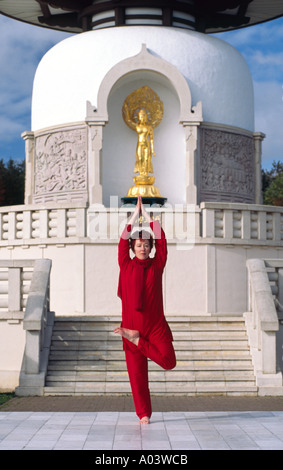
pixel 159 403
pixel 178 424
pixel 113 430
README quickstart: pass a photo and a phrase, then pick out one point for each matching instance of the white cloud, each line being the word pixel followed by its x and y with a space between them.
pixel 258 36
pixel 262 47
pixel 274 59
pixel 22 46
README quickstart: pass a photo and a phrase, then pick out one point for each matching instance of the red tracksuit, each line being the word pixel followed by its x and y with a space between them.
pixel 140 289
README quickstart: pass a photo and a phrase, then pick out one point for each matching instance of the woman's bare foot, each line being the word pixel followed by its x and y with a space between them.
pixel 144 420
pixel 131 335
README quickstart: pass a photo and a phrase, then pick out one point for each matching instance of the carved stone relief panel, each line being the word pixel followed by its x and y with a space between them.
pixel 226 166
pixel 60 166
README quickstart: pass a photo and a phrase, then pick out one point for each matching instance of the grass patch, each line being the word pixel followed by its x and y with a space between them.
pixel 4 397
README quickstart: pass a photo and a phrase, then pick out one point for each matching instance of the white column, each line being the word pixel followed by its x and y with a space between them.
pixel 258 138
pixel 94 163
pixel 29 151
pixel 192 161
pixel 95 124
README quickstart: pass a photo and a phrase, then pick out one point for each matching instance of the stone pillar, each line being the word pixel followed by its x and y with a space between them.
pixel 258 138
pixel 29 150
pixel 95 139
pixel 192 161
pixel 280 289
pixel 94 163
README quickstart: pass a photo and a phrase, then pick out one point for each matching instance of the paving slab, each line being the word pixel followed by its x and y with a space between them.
pixel 178 424
pixel 121 431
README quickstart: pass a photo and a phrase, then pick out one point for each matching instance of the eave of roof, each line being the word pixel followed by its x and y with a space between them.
pixel 40 13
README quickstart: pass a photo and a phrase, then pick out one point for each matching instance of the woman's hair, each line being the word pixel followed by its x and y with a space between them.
pixel 141 235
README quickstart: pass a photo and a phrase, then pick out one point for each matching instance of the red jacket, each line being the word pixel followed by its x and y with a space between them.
pixel 149 318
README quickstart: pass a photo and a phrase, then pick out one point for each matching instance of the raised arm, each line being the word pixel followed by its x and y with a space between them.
pixel 160 243
pixel 126 115
pixel 123 247
pixel 160 239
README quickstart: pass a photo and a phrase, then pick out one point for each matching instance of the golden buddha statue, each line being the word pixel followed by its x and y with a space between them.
pixel 142 111
pixel 145 146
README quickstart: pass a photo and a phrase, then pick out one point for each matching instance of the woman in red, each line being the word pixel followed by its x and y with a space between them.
pixel 144 328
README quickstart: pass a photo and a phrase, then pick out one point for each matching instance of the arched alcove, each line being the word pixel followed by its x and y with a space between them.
pixel 119 142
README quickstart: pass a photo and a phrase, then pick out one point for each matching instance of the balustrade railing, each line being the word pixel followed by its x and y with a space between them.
pixel 274 268
pixel 18 223
pixel 24 296
pixel 242 222
pixel 38 324
pixel 262 327
pixel 15 279
pixel 211 221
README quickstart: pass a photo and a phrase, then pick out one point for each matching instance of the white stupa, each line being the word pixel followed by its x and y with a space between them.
pixel 97 67
pixel 186 69
pixel 80 158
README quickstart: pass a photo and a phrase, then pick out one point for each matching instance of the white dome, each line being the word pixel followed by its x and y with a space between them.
pixel 71 72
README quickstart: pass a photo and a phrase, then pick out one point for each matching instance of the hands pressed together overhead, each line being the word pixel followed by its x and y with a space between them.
pixel 139 210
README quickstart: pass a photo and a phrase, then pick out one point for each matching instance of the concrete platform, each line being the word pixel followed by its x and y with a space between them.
pixel 39 423
pixel 174 431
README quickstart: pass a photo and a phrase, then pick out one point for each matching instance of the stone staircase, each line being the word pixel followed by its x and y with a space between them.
pixel 213 357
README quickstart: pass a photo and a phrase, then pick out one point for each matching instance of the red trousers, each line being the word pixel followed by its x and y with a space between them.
pixel 137 364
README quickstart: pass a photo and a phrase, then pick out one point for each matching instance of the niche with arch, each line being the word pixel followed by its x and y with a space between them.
pixel 119 142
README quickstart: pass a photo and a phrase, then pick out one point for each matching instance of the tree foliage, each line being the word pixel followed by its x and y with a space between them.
pixel 274 193
pixel 12 182
pixel 272 184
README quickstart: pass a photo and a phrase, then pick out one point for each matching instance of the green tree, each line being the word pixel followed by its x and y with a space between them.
pixel 271 184
pixel 2 186
pixel 12 182
pixel 274 193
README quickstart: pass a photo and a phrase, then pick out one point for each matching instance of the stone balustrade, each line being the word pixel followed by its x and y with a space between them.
pixel 211 222
pixel 262 326
pixel 19 224
pixel 248 223
pixel 274 268
pixel 38 324
pixel 24 303
pixel 15 277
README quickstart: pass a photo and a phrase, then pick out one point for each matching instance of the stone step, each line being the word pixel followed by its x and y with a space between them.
pixel 121 365
pixel 70 337
pixel 207 323
pixel 182 356
pixel 213 356
pixel 203 318
pixel 156 376
pixel 177 326
pixel 186 388
pixel 176 323
pixel 179 346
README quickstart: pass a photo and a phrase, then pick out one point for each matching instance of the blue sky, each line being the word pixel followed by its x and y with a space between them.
pixel 262 47
pixel 23 45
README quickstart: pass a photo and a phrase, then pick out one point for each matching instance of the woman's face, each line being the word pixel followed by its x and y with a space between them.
pixel 142 248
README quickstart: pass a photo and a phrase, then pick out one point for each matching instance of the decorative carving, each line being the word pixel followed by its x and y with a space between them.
pixel 227 166
pixel 61 162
